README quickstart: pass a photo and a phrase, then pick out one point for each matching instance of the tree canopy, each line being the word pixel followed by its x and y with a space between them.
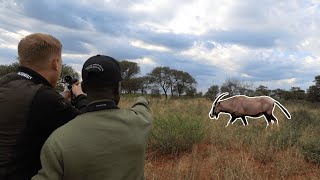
pixel 128 72
pixel 8 68
pixel 175 81
pixel 236 87
pixel 212 92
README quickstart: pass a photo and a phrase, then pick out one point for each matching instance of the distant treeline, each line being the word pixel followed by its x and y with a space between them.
pixel 177 83
pixel 160 79
pixel 237 87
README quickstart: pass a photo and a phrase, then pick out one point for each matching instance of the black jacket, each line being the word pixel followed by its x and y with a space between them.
pixel 48 110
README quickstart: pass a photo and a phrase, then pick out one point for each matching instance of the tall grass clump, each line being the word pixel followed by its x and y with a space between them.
pixel 302 131
pixel 175 133
pixel 310 144
pixel 292 129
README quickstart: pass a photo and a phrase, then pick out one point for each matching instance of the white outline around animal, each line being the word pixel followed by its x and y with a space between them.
pixel 241 106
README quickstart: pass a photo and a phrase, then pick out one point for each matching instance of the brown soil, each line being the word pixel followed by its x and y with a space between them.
pixel 207 161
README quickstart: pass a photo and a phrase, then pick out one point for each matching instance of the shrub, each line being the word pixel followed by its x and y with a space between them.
pixel 292 129
pixel 176 133
pixel 310 144
pixel 301 131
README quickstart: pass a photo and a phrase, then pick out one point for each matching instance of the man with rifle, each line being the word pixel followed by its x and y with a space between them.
pixel 30 107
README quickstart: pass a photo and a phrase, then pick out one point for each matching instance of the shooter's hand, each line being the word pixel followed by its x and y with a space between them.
pixel 67 94
pixel 76 89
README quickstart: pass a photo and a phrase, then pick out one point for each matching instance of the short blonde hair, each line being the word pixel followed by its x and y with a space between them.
pixel 36 48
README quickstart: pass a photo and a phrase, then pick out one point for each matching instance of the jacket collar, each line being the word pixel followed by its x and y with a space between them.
pixel 101 105
pixel 32 75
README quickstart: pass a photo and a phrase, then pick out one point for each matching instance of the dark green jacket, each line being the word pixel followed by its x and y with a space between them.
pixel 98 145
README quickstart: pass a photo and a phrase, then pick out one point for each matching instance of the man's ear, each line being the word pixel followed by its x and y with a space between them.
pixel 54 62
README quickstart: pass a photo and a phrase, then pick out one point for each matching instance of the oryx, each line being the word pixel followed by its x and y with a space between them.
pixel 240 106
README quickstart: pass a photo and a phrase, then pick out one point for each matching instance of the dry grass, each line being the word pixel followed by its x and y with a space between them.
pixel 235 152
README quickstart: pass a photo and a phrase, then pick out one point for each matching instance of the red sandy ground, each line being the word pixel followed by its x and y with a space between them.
pixel 198 165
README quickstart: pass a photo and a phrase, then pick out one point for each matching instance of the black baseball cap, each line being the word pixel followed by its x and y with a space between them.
pixel 100 71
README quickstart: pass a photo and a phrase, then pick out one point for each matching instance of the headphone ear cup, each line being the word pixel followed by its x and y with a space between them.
pixel 83 87
pixel 116 91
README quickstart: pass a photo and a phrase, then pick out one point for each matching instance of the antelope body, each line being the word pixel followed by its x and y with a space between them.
pixel 241 106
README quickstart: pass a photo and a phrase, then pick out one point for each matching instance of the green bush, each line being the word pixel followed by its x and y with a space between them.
pixel 290 132
pixel 310 143
pixel 176 133
pixel 301 131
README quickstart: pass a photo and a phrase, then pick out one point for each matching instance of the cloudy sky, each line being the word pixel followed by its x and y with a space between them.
pixel 275 43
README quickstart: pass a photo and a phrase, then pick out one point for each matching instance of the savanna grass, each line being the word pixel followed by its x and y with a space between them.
pixel 235 152
pixel 180 123
pixel 174 133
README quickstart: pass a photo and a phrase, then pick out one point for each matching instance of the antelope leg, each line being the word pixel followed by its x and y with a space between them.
pixel 231 120
pixel 244 120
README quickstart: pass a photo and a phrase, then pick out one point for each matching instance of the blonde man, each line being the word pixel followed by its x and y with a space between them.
pixel 30 108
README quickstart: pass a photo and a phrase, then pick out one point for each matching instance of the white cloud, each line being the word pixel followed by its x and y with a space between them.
pixel 193 17
pixel 145 61
pixel 245 75
pixel 75 56
pixel 150 6
pixel 310 65
pixel 282 83
pixel 201 16
pixel 310 44
pixel 228 57
pixel 147 64
pixel 144 45
pixel 10 40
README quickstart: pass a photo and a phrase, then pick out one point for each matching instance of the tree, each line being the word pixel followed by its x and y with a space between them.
pixel 278 94
pixel 155 92
pixel 191 92
pixel 128 71
pixel 160 76
pixel 6 69
pixel 68 70
pixel 172 80
pixel 317 81
pixel 146 82
pixel 174 77
pixel 296 93
pixel 129 85
pixel 313 94
pixel 262 91
pixel 184 83
pixel 212 92
pixel 236 87
pixel 199 94
pixel 136 84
